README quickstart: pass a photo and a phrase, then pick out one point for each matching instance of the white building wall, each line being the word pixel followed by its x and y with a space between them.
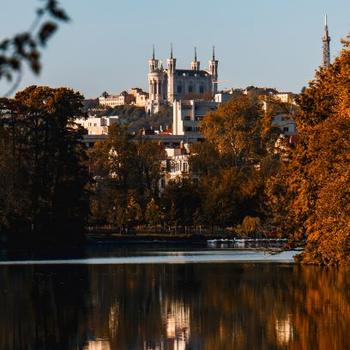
pixel 285 123
pixel 97 126
pixel 187 116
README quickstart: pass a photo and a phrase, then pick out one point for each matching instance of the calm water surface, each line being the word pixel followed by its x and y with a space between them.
pixel 252 301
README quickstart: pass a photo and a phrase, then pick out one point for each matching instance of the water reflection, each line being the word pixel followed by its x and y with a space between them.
pixel 284 330
pixel 175 307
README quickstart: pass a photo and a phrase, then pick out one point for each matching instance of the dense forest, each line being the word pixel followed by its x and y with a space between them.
pixel 52 187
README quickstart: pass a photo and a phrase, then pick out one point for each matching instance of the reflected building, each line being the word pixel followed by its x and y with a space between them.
pixel 97 345
pixel 113 320
pixel 176 323
pixel 284 330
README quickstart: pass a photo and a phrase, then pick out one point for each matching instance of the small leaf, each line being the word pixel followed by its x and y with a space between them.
pixel 4 44
pixel 14 63
pixel 46 31
pixel 55 11
pixel 59 14
pixel 34 58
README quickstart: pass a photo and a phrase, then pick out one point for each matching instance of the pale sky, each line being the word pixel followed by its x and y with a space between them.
pixel 106 46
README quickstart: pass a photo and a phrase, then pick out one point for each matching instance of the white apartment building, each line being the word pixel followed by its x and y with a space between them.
pixel 176 165
pixel 285 123
pixel 188 114
pixel 97 126
pixel 285 97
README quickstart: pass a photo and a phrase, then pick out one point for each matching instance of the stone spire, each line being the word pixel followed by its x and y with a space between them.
pixel 195 65
pixel 153 62
pixel 213 70
pixel 326 45
pixel 171 61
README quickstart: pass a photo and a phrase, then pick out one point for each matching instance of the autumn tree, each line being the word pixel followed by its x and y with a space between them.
pixel 314 186
pixel 42 164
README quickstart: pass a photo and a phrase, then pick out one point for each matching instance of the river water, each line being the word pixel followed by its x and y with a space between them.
pixel 171 299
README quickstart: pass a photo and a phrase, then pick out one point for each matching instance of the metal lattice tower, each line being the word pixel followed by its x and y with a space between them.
pixel 326 45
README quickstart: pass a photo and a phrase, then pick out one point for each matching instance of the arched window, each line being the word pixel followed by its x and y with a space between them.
pixel 201 89
pixel 190 89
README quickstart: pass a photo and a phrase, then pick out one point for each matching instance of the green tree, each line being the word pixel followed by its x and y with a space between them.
pixel 127 171
pixel 181 202
pixel 234 161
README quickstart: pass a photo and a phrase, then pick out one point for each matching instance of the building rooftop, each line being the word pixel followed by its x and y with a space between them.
pixel 191 73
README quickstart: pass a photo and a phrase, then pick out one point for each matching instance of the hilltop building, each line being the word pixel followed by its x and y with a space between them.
pixel 169 84
pixel 135 96
pixel 140 96
pixel 97 125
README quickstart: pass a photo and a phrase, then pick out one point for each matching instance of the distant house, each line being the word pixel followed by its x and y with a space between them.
pixel 97 126
pixel 285 123
pixel 124 98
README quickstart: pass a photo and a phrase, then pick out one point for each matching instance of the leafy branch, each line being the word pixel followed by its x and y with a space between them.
pixel 26 47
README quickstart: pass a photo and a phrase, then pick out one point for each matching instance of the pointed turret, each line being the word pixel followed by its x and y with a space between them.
pixel 171 61
pixel 326 58
pixel 195 65
pixel 213 70
pixel 153 62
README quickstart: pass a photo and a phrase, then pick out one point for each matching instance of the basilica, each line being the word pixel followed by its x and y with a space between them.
pixel 170 84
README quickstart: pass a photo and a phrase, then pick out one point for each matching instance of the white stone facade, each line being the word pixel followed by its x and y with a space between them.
pixel 187 116
pixel 97 126
pixel 285 123
pixel 170 84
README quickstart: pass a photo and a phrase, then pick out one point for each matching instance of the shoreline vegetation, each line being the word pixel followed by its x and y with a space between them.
pixel 243 176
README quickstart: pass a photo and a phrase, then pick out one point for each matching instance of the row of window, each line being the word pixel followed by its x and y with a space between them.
pixel 190 89
pixel 181 167
pixel 192 129
pixel 191 74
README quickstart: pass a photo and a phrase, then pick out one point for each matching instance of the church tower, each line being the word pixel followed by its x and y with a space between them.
pixel 326 45
pixel 171 75
pixel 195 64
pixel 156 80
pixel 153 63
pixel 213 70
